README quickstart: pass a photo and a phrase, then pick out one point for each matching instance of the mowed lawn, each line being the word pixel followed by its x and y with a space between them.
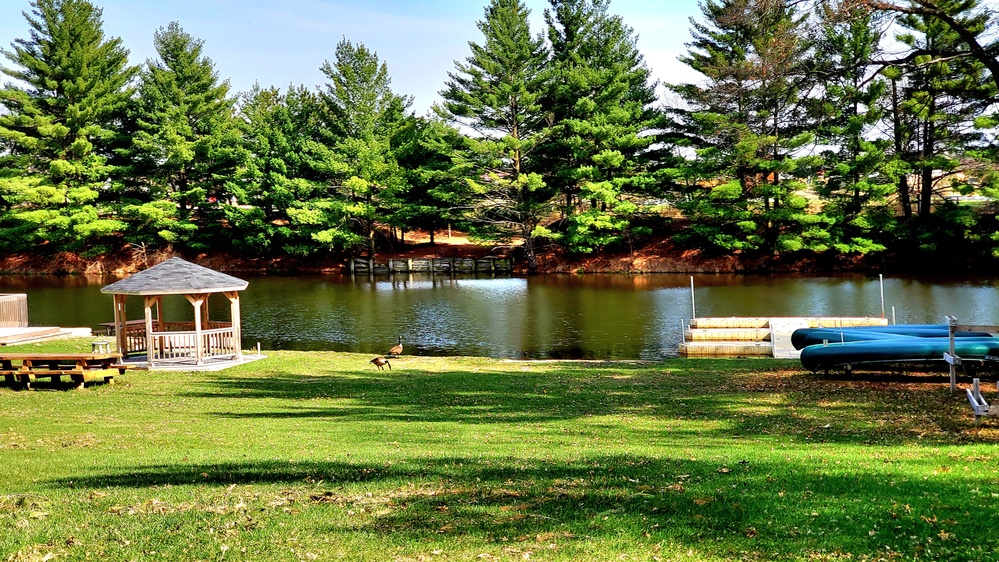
pixel 320 456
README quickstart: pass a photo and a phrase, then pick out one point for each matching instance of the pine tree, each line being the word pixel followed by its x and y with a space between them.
pixel 601 102
pixel 362 116
pixel 961 18
pixel 860 175
pixel 279 171
pixel 438 194
pixel 749 123
pixel 185 148
pixel 496 92
pixel 943 96
pixel 942 104
pixel 56 124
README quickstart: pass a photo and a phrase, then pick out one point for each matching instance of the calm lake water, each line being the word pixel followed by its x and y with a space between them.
pixel 564 316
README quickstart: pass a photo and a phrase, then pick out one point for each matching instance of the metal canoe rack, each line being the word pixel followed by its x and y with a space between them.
pixel 978 403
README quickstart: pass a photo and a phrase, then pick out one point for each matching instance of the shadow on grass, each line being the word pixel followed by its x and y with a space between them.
pixel 795 405
pixel 782 510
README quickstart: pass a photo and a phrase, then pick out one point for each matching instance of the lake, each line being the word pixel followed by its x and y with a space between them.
pixel 600 316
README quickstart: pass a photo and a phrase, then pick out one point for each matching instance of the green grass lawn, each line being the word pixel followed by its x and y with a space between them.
pixel 319 456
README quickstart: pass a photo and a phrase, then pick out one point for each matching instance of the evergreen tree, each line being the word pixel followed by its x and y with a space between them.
pixel 185 148
pixel 749 124
pixel 438 195
pixel 279 172
pixel 56 124
pixel 942 115
pixel 962 19
pixel 943 97
pixel 362 117
pixel 860 174
pixel 496 92
pixel 600 100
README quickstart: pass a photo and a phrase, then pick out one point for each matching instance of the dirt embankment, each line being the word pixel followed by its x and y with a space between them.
pixel 657 256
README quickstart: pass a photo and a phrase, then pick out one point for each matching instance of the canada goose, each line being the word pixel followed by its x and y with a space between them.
pixel 380 362
pixel 396 349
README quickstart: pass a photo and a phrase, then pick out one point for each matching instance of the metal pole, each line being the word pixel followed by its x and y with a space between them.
pixel 893 314
pixel 881 281
pixel 952 325
pixel 693 309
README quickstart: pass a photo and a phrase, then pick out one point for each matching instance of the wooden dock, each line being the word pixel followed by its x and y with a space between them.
pixel 10 336
pixel 757 337
pixel 433 266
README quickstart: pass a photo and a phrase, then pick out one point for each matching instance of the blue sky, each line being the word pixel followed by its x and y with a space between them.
pixel 282 42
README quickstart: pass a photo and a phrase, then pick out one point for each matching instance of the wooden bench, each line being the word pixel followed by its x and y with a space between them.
pixel 24 368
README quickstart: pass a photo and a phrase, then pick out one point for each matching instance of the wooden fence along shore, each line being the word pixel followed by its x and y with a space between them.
pixel 433 266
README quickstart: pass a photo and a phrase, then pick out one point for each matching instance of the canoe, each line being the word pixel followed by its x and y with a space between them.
pixel 894 350
pixel 803 337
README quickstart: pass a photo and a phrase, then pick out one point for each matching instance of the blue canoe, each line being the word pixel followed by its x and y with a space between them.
pixel 804 337
pixel 894 350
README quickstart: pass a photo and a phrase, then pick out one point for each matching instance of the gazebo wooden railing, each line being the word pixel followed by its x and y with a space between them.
pixel 184 344
pixel 173 338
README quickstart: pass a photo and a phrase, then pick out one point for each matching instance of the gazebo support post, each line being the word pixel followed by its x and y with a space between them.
pixel 121 338
pixel 204 311
pixel 160 325
pixel 199 348
pixel 237 331
pixel 149 302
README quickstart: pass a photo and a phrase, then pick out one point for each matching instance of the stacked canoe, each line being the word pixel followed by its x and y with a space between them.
pixel 830 348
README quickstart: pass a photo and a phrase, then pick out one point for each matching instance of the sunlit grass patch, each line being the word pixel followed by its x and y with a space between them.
pixel 319 456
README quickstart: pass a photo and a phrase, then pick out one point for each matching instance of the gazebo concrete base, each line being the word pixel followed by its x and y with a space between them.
pixel 188 364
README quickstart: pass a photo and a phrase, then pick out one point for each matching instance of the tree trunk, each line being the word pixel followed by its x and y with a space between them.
pixel 926 172
pixel 925 191
pixel 903 182
pixel 371 239
pixel 529 252
pixel 531 257
pixel 903 196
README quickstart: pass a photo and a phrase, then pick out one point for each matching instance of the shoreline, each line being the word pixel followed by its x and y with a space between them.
pixel 654 257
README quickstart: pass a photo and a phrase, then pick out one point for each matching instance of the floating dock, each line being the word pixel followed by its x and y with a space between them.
pixel 757 336
pixel 39 333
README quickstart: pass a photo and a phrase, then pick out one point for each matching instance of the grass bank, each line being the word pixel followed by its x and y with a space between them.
pixel 318 456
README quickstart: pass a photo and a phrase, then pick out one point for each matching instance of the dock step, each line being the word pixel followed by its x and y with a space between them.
pixel 725 349
pixel 26 334
pixel 728 334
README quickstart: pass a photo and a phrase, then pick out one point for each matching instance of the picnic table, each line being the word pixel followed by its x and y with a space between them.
pixel 24 368
pixel 109 326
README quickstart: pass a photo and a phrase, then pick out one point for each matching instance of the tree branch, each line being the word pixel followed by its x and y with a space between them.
pixel 931 9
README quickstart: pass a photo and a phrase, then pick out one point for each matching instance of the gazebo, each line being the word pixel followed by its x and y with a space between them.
pixel 168 343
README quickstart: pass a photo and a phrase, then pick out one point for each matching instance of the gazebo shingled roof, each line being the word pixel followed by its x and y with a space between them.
pixel 175 277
